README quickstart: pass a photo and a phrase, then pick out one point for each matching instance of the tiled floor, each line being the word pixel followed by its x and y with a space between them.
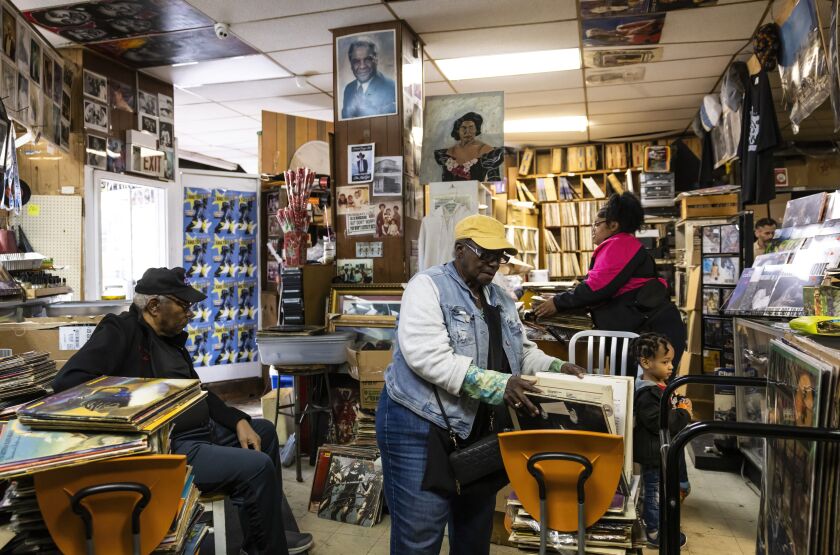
pixel 719 517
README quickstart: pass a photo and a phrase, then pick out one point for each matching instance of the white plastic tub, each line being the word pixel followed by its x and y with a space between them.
pixel 329 348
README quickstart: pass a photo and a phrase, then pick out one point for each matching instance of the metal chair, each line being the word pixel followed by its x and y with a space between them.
pixel 215 504
pixel 612 338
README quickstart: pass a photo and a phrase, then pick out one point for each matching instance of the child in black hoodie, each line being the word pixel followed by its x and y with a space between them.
pixel 655 355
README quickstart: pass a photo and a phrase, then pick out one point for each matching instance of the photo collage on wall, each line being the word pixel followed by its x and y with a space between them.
pixel 721 249
pixel 220 257
pixel 35 81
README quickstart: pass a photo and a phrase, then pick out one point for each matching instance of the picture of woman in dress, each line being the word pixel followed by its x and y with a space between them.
pixel 469 159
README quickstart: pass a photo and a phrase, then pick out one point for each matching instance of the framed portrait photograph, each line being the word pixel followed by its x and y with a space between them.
pixel 96 116
pixel 147 104
pixel 166 133
pixel 366 301
pixel 148 124
pixel 35 62
pixel 95 86
pixel 122 96
pixel 166 107
pixel 96 152
pixel 366 75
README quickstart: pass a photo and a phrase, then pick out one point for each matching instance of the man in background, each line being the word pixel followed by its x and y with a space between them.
pixel 764 230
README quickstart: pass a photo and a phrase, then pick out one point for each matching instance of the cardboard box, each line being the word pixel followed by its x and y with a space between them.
pixel 285 424
pixel 368 366
pixel 369 393
pixel 61 337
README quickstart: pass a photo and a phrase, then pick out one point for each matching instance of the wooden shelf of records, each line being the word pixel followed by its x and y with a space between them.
pixel 567 235
pixel 527 242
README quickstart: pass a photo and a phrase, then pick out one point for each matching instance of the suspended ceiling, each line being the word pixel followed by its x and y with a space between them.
pixel 218 102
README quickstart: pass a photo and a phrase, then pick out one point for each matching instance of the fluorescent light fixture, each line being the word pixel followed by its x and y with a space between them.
pixel 182 64
pixel 547 125
pixel 519 63
pixel 184 87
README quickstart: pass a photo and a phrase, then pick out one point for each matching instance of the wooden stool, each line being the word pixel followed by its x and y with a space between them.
pixel 216 504
pixel 298 414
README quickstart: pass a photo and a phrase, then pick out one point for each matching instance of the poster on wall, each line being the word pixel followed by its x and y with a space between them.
pixel 463 127
pixel 366 75
pixel 360 163
pixel 387 176
pixel 803 67
pixel 220 258
pixel 623 31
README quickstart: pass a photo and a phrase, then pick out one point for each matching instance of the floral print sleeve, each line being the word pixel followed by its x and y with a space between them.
pixel 488 386
pixel 556 365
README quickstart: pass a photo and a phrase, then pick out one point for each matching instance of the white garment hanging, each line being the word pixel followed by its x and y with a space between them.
pixel 437 236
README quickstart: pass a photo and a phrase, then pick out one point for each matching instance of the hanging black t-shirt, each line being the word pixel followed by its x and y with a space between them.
pixel 760 136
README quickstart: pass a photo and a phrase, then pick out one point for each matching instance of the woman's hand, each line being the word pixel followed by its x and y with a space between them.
pixel 572 370
pixel 546 309
pixel 515 393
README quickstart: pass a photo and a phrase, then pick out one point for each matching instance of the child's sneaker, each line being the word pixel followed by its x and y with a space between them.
pixel 653 539
pixel 685 491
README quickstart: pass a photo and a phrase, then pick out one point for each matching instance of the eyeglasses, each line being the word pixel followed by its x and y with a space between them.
pixel 186 307
pixel 489 257
pixel 599 222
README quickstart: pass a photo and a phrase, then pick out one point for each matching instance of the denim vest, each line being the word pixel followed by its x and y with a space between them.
pixel 468 336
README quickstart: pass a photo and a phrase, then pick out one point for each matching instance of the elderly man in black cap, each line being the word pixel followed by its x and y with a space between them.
pixel 227 450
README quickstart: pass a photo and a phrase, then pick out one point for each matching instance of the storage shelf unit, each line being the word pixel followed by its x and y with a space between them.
pixel 527 241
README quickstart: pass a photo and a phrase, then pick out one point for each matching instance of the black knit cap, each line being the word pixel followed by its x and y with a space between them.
pixel 165 281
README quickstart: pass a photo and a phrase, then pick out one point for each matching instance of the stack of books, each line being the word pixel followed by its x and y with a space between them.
pixel 24 378
pixel 347 486
pixel 114 404
pixel 186 530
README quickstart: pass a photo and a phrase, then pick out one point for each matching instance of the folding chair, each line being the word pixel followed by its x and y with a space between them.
pixel 611 338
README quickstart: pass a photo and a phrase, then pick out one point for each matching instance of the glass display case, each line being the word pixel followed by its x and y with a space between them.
pixel 752 348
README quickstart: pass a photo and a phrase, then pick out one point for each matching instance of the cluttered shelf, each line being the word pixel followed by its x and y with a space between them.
pixel 574 174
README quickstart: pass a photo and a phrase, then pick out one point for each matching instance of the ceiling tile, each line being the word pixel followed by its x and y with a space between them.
pixel 646 104
pixel 195 128
pixel 253 89
pixel 323 82
pixel 184 97
pixel 674 70
pixel 562 96
pixel 436 89
pixel 283 105
pixel 208 110
pixel 426 16
pixel 639 117
pixel 229 70
pixel 600 132
pixel 715 23
pixel 430 73
pixel 523 83
pixel 253 10
pixel 502 40
pixel 701 49
pixel 650 90
pixel 519 139
pixel 226 137
pixel 315 59
pixel 533 112
pixel 271 35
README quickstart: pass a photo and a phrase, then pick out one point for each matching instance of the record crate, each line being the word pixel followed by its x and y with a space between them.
pixel 704 206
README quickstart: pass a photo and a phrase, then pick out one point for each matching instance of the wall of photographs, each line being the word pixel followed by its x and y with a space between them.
pixel 117 99
pixel 721 266
pixel 220 256
pixel 36 82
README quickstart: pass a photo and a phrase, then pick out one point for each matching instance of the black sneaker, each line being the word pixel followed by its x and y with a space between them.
pixel 653 539
pixel 298 542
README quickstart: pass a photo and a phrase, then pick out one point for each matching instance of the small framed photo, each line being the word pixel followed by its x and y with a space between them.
pixel 148 124
pixel 166 107
pixel 657 159
pixel 95 86
pixel 382 300
pixel 147 104
pixel 96 154
pixel 721 270
pixel 166 133
pixel 96 116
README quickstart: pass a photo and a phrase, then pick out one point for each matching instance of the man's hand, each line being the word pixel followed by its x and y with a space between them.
pixel 546 309
pixel 515 393
pixel 248 438
pixel 572 370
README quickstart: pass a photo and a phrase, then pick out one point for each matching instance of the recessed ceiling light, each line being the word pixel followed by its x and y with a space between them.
pixel 519 63
pixel 547 125
pixel 182 64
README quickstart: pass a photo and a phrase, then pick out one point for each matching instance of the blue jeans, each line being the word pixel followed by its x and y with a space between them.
pixel 650 509
pixel 418 517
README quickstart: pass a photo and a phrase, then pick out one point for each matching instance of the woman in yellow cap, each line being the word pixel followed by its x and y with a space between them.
pixel 461 355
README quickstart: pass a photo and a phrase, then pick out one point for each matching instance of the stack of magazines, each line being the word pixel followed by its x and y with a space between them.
pixel 365 429
pixel 24 378
pixel 186 532
pixel 114 404
pixel 347 486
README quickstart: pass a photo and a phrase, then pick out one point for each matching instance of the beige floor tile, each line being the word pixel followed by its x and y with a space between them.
pixel 711 544
pixel 321 526
pixel 742 528
pixel 747 545
pixel 382 547
pixel 344 544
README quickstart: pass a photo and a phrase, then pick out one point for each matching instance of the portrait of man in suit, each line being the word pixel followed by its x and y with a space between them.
pixel 372 91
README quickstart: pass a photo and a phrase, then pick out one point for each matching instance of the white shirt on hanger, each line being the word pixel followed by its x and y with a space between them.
pixel 437 235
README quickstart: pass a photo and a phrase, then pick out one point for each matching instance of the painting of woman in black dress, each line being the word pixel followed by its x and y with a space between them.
pixel 463 138
pixel 469 159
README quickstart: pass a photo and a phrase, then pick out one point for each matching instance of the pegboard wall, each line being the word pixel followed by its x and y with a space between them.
pixel 53 224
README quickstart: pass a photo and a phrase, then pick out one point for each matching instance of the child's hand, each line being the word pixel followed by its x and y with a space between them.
pixel 686 405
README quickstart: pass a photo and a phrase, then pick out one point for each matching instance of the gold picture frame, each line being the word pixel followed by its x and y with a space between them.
pixel 373 300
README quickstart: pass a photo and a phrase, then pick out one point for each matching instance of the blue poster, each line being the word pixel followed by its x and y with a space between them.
pixel 220 257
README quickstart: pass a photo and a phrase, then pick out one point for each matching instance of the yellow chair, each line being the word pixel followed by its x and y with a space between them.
pixel 559 473
pixel 124 505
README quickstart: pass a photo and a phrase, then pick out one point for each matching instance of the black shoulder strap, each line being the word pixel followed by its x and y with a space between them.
pixel 443 412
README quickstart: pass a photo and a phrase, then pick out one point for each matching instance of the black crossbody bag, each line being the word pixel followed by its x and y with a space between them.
pixel 475 461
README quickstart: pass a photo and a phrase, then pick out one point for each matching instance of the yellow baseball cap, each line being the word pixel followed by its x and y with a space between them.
pixel 486 232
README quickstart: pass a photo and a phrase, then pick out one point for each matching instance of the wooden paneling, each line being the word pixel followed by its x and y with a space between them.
pixel 282 135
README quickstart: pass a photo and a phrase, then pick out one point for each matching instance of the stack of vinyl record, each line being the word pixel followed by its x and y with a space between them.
pixel 365 429
pixel 347 486
pixel 24 378
pixel 21 507
pixel 114 404
pixel 186 532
